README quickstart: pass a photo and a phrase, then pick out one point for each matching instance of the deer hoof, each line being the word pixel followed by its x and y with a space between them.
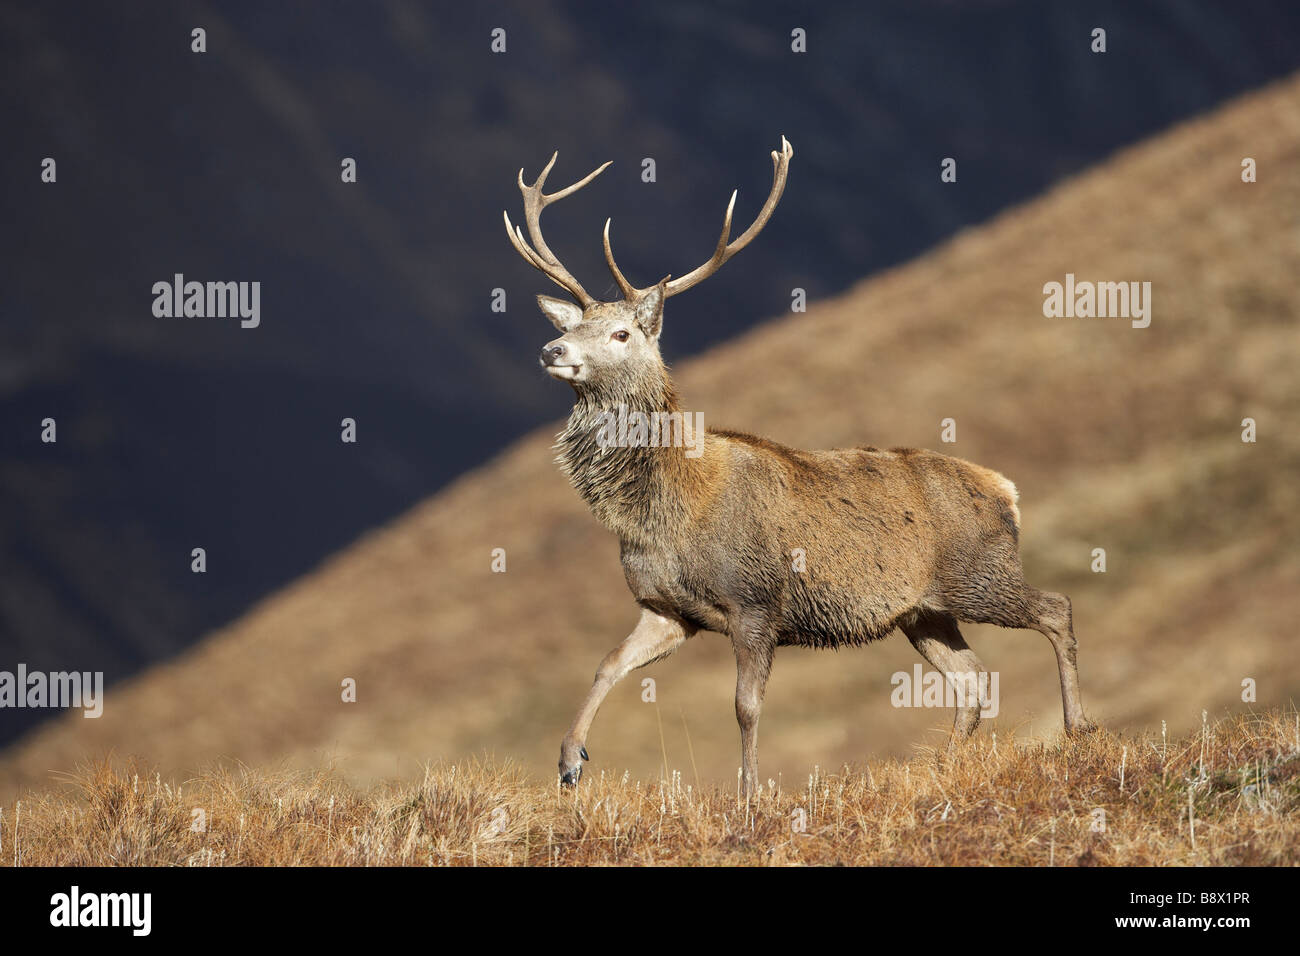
pixel 1082 728
pixel 571 758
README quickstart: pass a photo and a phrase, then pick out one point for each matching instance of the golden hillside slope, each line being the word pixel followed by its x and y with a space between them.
pixel 1121 438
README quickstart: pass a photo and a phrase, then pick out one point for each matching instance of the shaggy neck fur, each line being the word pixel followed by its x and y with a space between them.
pixel 642 494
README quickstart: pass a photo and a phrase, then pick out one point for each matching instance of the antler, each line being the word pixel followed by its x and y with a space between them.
pixel 541 257
pixel 724 249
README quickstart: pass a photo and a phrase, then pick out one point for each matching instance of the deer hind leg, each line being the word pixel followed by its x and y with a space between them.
pixel 654 637
pixel 936 638
pixel 1050 613
pixel 996 593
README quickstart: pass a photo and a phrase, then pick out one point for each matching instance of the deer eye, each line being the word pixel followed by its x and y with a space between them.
pixel 621 335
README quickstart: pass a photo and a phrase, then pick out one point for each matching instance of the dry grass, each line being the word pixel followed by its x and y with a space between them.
pixel 998 803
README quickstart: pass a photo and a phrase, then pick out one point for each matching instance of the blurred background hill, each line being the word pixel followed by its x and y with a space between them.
pixel 184 433
pixel 1120 438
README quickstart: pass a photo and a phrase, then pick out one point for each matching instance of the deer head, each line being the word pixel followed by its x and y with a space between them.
pixel 609 347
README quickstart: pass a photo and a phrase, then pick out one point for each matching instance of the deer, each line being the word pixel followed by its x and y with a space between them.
pixel 902 538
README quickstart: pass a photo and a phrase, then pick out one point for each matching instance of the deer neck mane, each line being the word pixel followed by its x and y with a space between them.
pixel 642 490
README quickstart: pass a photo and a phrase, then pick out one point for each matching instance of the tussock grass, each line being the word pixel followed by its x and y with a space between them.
pixel 1104 800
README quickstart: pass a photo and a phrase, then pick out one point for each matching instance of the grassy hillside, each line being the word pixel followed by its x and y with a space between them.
pixel 1120 438
pixel 1225 795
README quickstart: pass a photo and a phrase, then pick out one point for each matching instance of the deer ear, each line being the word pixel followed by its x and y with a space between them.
pixel 650 311
pixel 563 315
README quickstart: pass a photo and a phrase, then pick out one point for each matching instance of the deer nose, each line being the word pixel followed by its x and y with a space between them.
pixel 552 353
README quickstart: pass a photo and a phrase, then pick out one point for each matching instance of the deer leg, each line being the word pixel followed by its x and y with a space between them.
pixel 1051 614
pixel 753 665
pixel 936 638
pixel 994 592
pixel 654 637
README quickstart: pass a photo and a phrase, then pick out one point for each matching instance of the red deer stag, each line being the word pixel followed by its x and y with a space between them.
pixel 708 524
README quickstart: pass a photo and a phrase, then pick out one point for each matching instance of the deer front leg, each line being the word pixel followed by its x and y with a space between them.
pixel 753 665
pixel 654 637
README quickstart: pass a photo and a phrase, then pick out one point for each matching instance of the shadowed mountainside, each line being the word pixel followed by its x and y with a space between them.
pixel 1121 438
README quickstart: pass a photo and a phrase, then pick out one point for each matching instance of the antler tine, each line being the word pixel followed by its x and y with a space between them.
pixel 539 255
pixel 629 291
pixel 725 250
pixel 569 190
pixel 560 277
pixel 541 177
pixel 533 259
